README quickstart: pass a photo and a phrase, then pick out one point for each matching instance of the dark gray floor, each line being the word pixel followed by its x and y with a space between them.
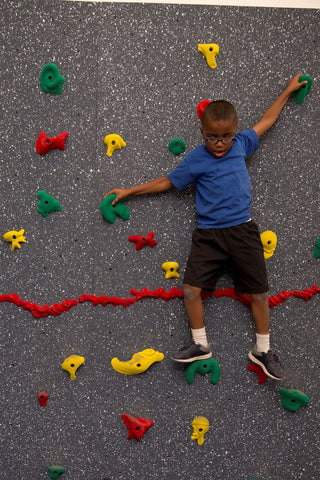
pixel 135 70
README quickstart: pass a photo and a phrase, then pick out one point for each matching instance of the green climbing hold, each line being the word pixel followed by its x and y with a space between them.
pixel 55 471
pixel 50 79
pixel 177 146
pixel 304 90
pixel 203 367
pixel 293 399
pixel 316 251
pixel 110 211
pixel 47 204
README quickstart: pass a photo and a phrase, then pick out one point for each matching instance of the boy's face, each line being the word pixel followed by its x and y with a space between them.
pixel 223 129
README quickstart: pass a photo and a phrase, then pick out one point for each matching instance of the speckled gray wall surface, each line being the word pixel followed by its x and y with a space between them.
pixel 135 70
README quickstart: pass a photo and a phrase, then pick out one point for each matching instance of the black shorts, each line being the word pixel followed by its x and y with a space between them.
pixel 240 246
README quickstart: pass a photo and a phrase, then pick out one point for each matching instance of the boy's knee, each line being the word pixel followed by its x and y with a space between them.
pixel 191 292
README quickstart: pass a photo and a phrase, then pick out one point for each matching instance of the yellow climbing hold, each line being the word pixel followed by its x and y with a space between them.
pixel 71 365
pixel 200 427
pixel 269 243
pixel 209 50
pixel 15 238
pixel 139 363
pixel 114 142
pixel 171 269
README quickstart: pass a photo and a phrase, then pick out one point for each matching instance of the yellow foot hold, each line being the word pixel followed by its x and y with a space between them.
pixel 171 269
pixel 269 243
pixel 71 365
pixel 139 363
pixel 114 142
pixel 15 238
pixel 200 426
pixel 209 50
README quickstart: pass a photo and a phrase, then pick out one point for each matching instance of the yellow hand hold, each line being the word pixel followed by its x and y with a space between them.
pixel 209 50
pixel 171 269
pixel 139 363
pixel 269 243
pixel 113 142
pixel 15 238
pixel 71 364
pixel 200 426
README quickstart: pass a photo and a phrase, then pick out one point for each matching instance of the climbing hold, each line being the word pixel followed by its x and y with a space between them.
pixel 47 204
pixel 43 398
pixel 50 79
pixel 177 146
pixel 316 251
pixel 45 144
pixel 200 427
pixel 15 238
pixel 142 240
pixel 136 426
pixel 55 471
pixel 209 50
pixel 304 90
pixel 171 269
pixel 269 243
pixel 262 377
pixel 139 363
pixel 293 399
pixel 210 365
pixel 71 364
pixel 202 105
pixel 110 211
pixel 114 142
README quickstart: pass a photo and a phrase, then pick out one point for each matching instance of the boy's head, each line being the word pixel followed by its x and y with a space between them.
pixel 218 127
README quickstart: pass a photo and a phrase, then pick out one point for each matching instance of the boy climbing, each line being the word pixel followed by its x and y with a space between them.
pixel 226 232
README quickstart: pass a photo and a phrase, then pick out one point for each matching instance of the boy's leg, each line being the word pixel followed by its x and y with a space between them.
pixel 199 349
pixel 261 353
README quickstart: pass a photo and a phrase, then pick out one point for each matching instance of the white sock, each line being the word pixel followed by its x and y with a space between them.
pixel 199 336
pixel 263 342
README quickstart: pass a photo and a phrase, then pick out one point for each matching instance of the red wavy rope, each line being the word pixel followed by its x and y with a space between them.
pixel 40 311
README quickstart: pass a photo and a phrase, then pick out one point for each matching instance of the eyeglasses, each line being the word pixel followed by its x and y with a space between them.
pixel 215 140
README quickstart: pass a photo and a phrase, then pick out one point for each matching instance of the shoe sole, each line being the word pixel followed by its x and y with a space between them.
pixel 193 359
pixel 254 360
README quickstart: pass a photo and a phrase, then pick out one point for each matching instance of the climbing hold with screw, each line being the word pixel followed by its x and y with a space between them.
pixel 269 243
pixel 50 79
pixel 43 398
pixel 55 471
pixel 142 240
pixel 139 363
pixel 292 399
pixel 110 212
pixel 262 377
pixel 210 365
pixel 136 426
pixel 45 144
pixel 171 269
pixel 304 90
pixel 71 365
pixel 200 427
pixel 15 238
pixel 209 50
pixel 47 204
pixel 177 146
pixel 114 142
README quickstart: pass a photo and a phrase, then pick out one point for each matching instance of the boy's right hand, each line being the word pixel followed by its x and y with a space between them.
pixel 120 192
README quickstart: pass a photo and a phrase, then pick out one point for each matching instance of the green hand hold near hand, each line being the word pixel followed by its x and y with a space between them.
pixel 110 212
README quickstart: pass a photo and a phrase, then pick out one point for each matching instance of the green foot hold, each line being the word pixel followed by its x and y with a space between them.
pixel 304 90
pixel 47 204
pixel 110 211
pixel 177 146
pixel 316 251
pixel 55 471
pixel 203 367
pixel 293 399
pixel 50 79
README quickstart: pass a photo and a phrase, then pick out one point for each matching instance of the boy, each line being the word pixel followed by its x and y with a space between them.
pixel 225 229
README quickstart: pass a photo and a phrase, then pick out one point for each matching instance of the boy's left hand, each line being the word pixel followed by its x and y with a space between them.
pixel 294 83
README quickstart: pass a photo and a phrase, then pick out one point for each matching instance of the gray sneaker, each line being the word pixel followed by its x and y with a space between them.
pixel 269 363
pixel 192 352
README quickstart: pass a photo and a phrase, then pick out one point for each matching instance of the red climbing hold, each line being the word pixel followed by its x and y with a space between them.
pixel 142 240
pixel 45 144
pixel 136 426
pixel 201 107
pixel 43 398
pixel 262 377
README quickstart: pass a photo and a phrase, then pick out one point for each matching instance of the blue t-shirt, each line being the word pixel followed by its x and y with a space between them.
pixel 223 190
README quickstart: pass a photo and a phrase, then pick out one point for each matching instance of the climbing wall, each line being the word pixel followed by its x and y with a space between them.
pixel 135 70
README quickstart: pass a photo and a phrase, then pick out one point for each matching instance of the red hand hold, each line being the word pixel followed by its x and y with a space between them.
pixel 142 240
pixel 262 377
pixel 136 426
pixel 43 398
pixel 45 144
pixel 201 107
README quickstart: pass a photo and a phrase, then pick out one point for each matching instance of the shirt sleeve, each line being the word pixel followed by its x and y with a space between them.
pixel 181 176
pixel 249 140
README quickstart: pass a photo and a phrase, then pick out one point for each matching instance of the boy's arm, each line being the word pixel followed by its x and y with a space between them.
pixel 155 186
pixel 273 112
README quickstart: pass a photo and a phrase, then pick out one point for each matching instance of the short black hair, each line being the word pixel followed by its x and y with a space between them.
pixel 219 110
